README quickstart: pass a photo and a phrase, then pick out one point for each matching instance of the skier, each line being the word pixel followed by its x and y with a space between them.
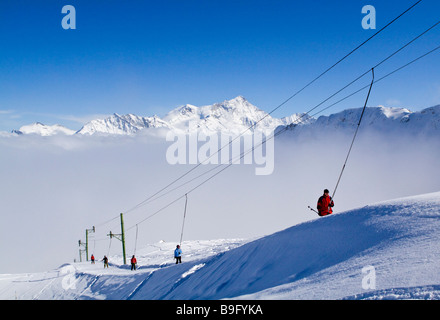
pixel 105 261
pixel 178 254
pixel 325 204
pixel 133 263
pixel 92 258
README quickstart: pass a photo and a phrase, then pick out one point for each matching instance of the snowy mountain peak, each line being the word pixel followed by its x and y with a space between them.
pixel 239 99
pixel 239 104
pixel 180 114
pixel 187 109
pixel 230 116
pixel 43 130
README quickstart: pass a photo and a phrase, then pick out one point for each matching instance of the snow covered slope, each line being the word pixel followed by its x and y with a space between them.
pixel 321 259
pixel 122 125
pixel 384 118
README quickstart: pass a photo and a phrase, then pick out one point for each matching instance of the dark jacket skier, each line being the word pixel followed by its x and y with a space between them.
pixel 105 262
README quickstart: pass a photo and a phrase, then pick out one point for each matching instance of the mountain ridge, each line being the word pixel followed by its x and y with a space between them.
pixel 238 115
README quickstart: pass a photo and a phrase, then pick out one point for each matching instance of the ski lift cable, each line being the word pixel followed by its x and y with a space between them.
pixel 285 129
pixel 276 134
pixel 184 217
pixel 208 179
pixel 378 80
pixel 355 134
pixel 359 77
pixel 349 84
pixel 183 184
pixel 136 239
pixel 150 199
pixel 109 246
pixel 365 73
pixel 283 103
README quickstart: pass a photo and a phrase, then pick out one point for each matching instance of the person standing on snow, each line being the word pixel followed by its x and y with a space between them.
pixel 105 262
pixel 325 204
pixel 178 254
pixel 93 259
pixel 133 263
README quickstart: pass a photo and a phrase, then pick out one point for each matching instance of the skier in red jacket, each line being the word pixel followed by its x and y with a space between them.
pixel 325 204
pixel 133 263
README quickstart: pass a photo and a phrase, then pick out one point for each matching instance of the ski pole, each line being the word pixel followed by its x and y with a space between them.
pixel 313 209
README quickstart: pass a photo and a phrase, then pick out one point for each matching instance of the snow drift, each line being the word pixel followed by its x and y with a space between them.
pixel 319 259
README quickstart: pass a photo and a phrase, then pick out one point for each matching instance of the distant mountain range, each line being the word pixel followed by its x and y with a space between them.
pixel 237 115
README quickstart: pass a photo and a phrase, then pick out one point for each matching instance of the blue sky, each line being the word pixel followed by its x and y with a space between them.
pixel 147 57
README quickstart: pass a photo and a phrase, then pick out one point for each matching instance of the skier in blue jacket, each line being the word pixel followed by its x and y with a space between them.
pixel 178 254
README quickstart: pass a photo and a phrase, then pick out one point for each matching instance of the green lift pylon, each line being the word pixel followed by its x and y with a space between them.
pixel 120 237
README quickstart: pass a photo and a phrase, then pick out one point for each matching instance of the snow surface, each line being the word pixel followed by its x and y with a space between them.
pixel 319 259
